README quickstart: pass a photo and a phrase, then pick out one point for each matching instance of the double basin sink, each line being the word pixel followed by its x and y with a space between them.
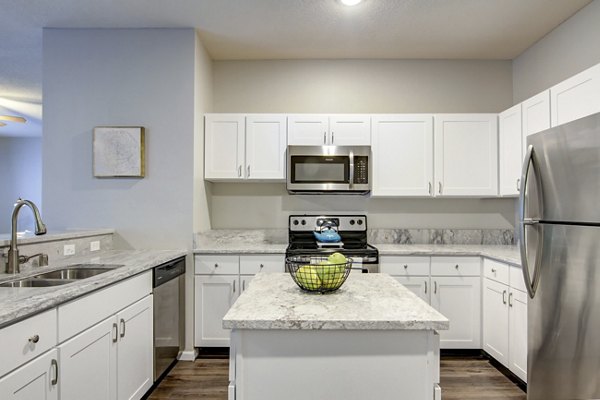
pixel 62 276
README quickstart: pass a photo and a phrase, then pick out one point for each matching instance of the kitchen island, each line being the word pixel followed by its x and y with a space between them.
pixel 371 339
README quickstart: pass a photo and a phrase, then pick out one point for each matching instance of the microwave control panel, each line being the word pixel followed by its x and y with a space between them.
pixel 361 169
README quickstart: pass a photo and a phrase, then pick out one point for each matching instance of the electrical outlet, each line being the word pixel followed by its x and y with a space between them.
pixel 95 245
pixel 69 249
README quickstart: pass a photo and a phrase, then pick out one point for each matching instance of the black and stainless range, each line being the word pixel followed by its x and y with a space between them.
pixel 352 230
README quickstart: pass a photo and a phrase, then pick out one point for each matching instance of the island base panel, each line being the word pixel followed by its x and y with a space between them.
pixel 334 364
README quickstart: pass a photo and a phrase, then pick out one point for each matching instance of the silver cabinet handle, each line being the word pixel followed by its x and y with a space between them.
pixel 240 171
pixel 440 187
pixel 233 286
pixel 243 285
pixel 429 186
pixel 122 327
pixel 34 339
pixel 332 137
pixel 425 287
pixel 504 297
pixel 115 333
pixel 54 364
pixel 324 137
pixel 494 270
pixel 510 303
pixel 248 170
pixel 518 184
pixel 216 265
pixel 261 266
pixel 456 266
pixel 434 287
pixel 405 266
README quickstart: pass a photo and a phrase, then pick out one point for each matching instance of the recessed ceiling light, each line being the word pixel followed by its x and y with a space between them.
pixel 350 2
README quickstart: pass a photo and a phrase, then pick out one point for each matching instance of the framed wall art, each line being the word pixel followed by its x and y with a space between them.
pixel 118 152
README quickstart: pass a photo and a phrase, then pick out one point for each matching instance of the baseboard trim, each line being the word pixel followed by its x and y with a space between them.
pixel 189 355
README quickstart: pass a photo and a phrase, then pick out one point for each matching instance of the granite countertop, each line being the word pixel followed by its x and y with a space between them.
pixel 19 303
pixel 240 241
pixel 30 237
pixel 364 302
pixel 507 254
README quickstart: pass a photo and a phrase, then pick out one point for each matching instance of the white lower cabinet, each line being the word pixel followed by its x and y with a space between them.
pixel 495 320
pixel 419 285
pixel 36 380
pixel 214 295
pixel 111 360
pixel 218 282
pixel 517 356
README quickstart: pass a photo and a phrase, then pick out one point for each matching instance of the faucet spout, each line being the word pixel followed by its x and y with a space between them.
pixel 12 265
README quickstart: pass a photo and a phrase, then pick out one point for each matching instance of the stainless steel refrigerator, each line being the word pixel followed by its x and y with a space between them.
pixel 560 250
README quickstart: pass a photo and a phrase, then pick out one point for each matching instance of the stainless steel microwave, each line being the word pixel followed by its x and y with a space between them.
pixel 329 169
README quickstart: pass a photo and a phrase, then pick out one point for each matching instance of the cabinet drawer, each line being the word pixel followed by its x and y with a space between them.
pixel 404 266
pixel 495 270
pixel 456 266
pixel 516 278
pixel 80 314
pixel 253 264
pixel 15 345
pixel 222 265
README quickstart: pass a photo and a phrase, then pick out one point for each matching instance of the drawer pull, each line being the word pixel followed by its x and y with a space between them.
pixel 434 287
pixel 115 329
pixel 405 266
pixel 122 327
pixel 243 285
pixel 510 303
pixel 504 297
pixel 34 339
pixel 233 286
pixel 261 266
pixel 54 364
pixel 456 266
pixel 425 287
pixel 494 270
pixel 216 265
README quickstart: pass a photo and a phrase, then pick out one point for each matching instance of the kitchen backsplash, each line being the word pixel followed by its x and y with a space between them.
pixel 442 236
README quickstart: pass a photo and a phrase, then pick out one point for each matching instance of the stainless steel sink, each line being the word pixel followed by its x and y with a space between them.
pixel 33 282
pixel 80 271
pixel 62 276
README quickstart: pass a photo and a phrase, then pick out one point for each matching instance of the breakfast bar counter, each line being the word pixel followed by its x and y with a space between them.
pixel 372 338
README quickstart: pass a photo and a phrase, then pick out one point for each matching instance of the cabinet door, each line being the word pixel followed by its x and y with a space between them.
pixel 419 285
pixel 402 155
pixel 466 154
pixel 215 294
pixel 349 130
pixel 135 350
pixel 495 320
pixel 245 281
pixel 88 363
pixel 509 132
pixel 36 380
pixel 536 116
pixel 224 147
pixel 459 300
pixel 266 140
pixel 576 97
pixel 308 130
pixel 518 334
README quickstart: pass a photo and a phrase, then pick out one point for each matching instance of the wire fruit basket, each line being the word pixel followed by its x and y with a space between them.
pixel 318 274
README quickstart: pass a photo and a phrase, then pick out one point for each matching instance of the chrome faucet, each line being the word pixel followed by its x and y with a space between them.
pixel 13 262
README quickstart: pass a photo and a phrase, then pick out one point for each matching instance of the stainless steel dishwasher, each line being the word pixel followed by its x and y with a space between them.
pixel 169 304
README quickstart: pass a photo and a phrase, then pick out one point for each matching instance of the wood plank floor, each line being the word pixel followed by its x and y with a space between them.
pixel 461 379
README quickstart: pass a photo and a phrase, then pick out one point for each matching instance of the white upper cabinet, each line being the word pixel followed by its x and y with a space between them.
pixel 331 130
pixel 265 147
pixel 509 132
pixel 224 146
pixel 466 154
pixel 402 155
pixel 576 97
pixel 240 147
pixel 536 116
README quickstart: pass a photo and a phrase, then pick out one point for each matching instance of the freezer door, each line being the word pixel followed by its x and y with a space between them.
pixel 564 316
pixel 568 160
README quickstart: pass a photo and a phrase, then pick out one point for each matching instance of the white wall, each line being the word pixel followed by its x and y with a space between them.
pixel 355 86
pixel 136 77
pixel 20 176
pixel 569 49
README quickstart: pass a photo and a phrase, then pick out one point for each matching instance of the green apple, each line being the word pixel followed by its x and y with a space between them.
pixel 331 276
pixel 337 258
pixel 308 277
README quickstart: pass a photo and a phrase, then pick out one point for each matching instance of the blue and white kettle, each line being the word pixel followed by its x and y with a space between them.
pixel 327 234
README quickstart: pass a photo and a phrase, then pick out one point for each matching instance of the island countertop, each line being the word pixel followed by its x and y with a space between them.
pixel 364 302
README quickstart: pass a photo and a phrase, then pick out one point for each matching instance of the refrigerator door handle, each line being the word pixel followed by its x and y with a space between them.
pixel 531 283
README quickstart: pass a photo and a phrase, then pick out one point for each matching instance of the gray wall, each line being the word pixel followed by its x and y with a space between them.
pixel 569 49
pixel 135 77
pixel 355 86
pixel 20 176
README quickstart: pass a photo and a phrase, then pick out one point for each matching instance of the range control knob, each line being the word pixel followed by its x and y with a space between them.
pixel 351 222
pixel 295 222
pixel 360 222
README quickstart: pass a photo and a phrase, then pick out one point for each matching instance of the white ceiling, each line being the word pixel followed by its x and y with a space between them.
pixel 283 29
